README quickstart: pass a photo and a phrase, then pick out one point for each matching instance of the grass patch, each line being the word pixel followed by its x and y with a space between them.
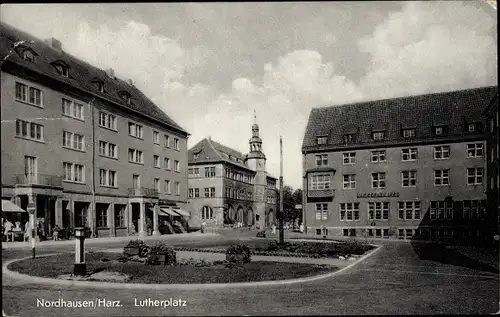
pixel 53 266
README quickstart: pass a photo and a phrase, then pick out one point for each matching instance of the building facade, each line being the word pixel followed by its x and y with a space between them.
pixel 492 169
pixel 226 187
pixel 403 168
pixel 82 146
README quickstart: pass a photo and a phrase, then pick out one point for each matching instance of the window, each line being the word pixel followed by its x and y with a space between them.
pixel 378 136
pixel 196 156
pixel 107 149
pixel 177 166
pixel 349 211
pixel 408 133
pixel 135 156
pixel 28 56
pixel 441 210
pixel 73 172
pixel 440 130
pixel 156 184
pixel 378 180
pixel 30 168
pixel 166 140
pixel 73 141
pixel 409 210
pixel 167 187
pixel 156 137
pixel 378 210
pixel 474 176
pixel 321 140
pixel 401 234
pixel 62 69
pixel 29 130
pixel 321 211
pixel 99 85
pixel 72 109
pixel 212 192
pixel 135 130
pixel 166 163
pixel 125 95
pixel 156 161
pixel 349 181
pixel 176 144
pixel 102 215
pixel 191 193
pixel 207 213
pixel 474 209
pixel 136 181
pixel 207 192
pixel 120 216
pixel 475 150
pixel 320 182
pixel 107 121
pixel 409 154
pixel 441 177
pixel 471 127
pixel 107 178
pixel 349 158
pixel 442 152
pixel 196 193
pixel 409 179
pixel 196 172
pixel 31 95
pixel 378 156
pixel 322 160
pixel 348 138
pixel 210 171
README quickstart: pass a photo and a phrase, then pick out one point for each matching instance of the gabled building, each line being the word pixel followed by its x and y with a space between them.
pixel 226 187
pixel 83 146
pixel 407 168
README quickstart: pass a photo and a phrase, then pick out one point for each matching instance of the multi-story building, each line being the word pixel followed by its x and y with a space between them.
pixel 411 167
pixel 83 147
pixel 226 186
pixel 492 169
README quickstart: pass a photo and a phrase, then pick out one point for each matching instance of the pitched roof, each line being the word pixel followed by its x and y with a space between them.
pixel 455 109
pixel 210 151
pixel 81 74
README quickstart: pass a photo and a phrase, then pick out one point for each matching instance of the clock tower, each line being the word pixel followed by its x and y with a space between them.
pixel 256 161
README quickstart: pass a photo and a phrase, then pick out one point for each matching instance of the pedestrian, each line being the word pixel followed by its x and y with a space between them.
pixel 7 229
pixel 55 233
pixel 273 228
pixel 203 227
pixel 27 231
pixel 301 228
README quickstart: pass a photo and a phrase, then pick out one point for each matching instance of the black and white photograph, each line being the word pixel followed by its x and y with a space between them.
pixel 250 158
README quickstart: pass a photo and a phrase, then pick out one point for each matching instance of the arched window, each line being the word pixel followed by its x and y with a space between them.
pixel 207 213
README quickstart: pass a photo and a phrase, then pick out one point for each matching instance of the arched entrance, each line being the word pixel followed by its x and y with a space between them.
pixel 207 213
pixel 231 214
pixel 250 217
pixel 270 218
pixel 239 214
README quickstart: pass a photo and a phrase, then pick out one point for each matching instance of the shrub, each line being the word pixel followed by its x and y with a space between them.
pixel 158 250
pixel 238 253
pixel 261 234
pixel 135 244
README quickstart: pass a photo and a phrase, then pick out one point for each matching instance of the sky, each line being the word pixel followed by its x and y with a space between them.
pixel 209 66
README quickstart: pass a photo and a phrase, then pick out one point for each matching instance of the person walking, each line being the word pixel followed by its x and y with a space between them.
pixel 274 229
pixel 7 229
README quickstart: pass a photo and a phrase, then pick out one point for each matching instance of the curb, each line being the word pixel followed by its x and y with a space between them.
pixel 107 285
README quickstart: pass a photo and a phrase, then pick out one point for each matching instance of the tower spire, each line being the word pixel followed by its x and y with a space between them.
pixel 254 117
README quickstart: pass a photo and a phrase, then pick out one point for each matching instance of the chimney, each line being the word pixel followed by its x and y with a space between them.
pixel 110 72
pixel 54 43
pixel 130 82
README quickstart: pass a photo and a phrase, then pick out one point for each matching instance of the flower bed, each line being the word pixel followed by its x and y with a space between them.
pixel 184 272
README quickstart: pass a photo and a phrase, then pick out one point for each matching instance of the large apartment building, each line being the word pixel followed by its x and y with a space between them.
pixel 226 187
pixel 82 146
pixel 403 168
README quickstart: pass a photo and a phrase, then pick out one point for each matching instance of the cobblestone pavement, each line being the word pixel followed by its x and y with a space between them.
pixel 401 278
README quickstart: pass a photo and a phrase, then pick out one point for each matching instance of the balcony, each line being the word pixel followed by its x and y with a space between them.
pixel 143 192
pixel 320 193
pixel 38 179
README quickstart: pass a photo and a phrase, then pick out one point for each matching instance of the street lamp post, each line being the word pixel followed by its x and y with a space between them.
pixel 32 210
pixel 80 267
pixel 282 216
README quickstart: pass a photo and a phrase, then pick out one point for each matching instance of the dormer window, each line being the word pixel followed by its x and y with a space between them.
pixel 99 85
pixel 440 130
pixel 321 140
pixel 408 133
pixel 126 96
pixel 378 136
pixel 196 156
pixel 61 68
pixel 28 56
pixel 348 138
pixel 472 127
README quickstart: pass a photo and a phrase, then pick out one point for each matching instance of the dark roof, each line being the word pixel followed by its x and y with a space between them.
pixel 454 109
pixel 81 74
pixel 210 151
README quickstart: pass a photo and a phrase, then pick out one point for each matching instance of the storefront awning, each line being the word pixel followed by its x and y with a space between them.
pixel 182 212
pixel 8 206
pixel 167 212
